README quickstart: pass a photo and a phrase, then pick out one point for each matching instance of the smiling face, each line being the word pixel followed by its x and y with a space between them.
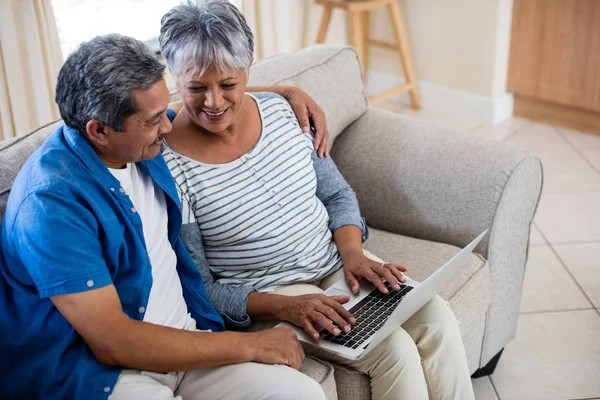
pixel 213 101
pixel 143 131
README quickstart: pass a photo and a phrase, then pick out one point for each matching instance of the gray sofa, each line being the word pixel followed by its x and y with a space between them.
pixel 424 192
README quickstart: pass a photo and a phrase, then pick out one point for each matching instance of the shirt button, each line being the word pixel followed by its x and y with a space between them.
pixel 112 190
pixel 141 310
pixel 273 191
pixel 107 389
pixel 121 190
pixel 90 283
pixel 133 210
pixel 279 205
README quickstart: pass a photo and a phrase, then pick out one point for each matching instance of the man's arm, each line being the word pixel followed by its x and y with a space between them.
pixel 57 240
pixel 306 110
pixel 116 339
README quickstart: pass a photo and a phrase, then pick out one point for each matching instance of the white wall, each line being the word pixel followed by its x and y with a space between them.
pixel 460 47
pixel 461 44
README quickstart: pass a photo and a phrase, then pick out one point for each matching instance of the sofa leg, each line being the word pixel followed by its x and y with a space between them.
pixel 489 368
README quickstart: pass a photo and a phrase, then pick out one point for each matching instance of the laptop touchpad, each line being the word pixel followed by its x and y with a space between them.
pixel 338 292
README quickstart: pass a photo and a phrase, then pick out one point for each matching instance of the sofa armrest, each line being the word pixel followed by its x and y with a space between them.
pixel 429 183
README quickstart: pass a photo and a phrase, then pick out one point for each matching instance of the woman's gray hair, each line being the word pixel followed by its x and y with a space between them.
pixel 98 79
pixel 205 32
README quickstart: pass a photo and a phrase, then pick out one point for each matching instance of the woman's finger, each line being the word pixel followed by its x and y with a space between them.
pixel 398 267
pixel 351 281
pixel 399 275
pixel 388 276
pixel 375 280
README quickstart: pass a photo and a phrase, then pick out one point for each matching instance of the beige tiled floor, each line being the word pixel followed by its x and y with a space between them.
pixel 556 354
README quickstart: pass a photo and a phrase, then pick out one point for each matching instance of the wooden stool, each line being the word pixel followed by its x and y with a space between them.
pixel 359 38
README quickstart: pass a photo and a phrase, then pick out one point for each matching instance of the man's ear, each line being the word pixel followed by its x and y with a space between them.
pixel 96 132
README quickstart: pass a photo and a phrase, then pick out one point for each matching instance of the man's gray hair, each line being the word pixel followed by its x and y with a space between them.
pixel 98 80
pixel 205 32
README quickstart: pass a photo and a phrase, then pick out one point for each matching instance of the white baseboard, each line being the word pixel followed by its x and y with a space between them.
pixel 434 97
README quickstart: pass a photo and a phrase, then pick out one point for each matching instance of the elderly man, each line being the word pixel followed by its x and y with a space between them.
pixel 99 297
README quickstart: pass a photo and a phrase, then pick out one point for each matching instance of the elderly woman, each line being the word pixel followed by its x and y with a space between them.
pixel 270 224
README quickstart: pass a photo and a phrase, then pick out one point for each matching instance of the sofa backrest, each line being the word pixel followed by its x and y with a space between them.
pixel 328 73
pixel 14 153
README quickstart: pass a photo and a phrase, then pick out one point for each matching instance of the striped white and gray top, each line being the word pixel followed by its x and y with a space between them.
pixel 261 221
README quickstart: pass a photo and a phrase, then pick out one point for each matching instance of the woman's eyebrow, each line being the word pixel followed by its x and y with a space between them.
pixel 201 83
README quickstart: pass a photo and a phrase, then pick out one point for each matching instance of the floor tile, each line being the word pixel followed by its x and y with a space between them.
pixel 483 389
pixel 583 260
pixel 517 123
pixel 535 237
pixel 569 217
pixel 554 356
pixel 587 143
pixel 501 131
pixel 581 140
pixel 548 286
pixel 496 132
pixel 565 169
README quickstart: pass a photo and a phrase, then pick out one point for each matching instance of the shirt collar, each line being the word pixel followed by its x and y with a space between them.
pixel 85 152
pixel 155 168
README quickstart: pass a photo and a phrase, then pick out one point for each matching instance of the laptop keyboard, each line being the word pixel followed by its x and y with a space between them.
pixel 370 314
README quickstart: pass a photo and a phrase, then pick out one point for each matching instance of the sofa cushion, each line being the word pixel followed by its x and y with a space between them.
pixel 352 384
pixel 322 372
pixel 468 292
pixel 14 153
pixel 330 74
pixel 421 257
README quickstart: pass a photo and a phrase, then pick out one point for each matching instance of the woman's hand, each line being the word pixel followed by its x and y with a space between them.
pixel 308 310
pixel 306 110
pixel 360 266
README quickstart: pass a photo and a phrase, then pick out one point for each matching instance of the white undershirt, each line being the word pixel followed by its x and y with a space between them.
pixel 166 305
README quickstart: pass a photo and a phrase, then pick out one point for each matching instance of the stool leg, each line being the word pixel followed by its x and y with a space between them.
pixel 357 34
pixel 325 19
pixel 258 30
pixel 366 26
pixel 405 56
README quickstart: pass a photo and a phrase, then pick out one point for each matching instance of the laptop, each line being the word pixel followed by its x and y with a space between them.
pixel 378 315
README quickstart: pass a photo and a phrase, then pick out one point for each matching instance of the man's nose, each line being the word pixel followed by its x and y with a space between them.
pixel 165 126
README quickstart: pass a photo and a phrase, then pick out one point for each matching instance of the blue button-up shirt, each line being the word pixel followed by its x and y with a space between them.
pixel 68 228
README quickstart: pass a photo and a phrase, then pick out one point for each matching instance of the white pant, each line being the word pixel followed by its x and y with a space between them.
pixel 245 381
pixel 239 381
pixel 424 359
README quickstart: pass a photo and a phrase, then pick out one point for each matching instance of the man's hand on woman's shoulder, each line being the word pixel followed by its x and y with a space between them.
pixel 307 111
